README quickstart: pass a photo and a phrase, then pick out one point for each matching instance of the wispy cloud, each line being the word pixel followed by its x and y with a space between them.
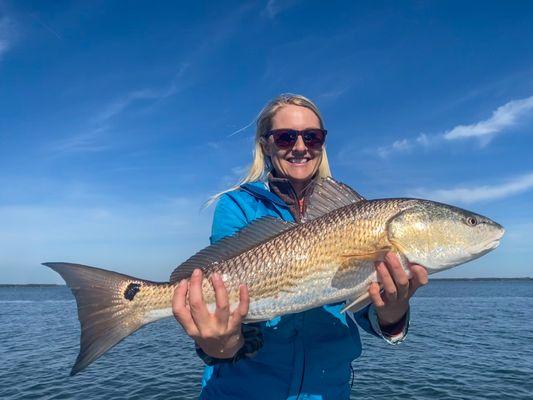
pixel 274 7
pixel 236 174
pixel 502 119
pixel 333 94
pixel 405 145
pixel 84 142
pixel 150 97
pixel 47 27
pixel 120 104
pixel 7 34
pixel 243 128
pixel 94 139
pixel 466 194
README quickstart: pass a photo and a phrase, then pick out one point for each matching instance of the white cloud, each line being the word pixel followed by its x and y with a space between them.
pixel 237 173
pixel 83 142
pixel 274 7
pixel 405 145
pixel 504 117
pixel 396 146
pixel 7 34
pixel 119 105
pixel 333 94
pixel 465 194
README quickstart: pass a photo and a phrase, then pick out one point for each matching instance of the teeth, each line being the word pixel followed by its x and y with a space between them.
pixel 298 160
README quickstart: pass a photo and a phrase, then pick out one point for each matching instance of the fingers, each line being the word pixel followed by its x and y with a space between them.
pixel 199 311
pixel 244 301
pixel 375 295
pixel 399 276
pixel 180 310
pixel 221 297
pixel 242 308
pixel 389 287
pixel 420 278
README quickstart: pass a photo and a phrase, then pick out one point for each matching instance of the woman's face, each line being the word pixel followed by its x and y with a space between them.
pixel 299 163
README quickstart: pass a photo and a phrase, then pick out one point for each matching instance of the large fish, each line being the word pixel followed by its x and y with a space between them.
pixel 287 267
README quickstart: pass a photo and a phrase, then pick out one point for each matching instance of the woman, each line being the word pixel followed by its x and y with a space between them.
pixel 305 355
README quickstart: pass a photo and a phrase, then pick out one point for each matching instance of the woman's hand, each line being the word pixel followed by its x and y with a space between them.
pixel 393 303
pixel 218 334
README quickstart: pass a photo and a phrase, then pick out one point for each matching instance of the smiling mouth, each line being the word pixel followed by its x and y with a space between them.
pixel 295 160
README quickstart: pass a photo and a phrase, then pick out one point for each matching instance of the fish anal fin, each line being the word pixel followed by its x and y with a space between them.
pixel 357 304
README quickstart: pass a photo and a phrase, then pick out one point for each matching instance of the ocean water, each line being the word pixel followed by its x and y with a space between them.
pixel 467 340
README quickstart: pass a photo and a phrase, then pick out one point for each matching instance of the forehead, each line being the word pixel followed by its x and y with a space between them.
pixel 295 117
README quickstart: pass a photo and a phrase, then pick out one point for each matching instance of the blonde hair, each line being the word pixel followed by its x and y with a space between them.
pixel 261 164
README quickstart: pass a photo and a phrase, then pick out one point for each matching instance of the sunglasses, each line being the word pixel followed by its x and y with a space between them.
pixel 285 139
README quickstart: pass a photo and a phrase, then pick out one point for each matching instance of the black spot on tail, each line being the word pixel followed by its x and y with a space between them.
pixel 131 291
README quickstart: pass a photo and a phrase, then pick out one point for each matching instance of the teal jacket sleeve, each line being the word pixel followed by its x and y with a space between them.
pixel 229 217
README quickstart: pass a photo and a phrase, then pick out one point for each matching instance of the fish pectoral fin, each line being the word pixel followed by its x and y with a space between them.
pixel 357 304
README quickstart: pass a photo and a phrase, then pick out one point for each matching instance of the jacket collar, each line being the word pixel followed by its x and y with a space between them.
pixel 260 189
pixel 281 193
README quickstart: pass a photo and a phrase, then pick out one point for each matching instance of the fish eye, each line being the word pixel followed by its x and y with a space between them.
pixel 471 221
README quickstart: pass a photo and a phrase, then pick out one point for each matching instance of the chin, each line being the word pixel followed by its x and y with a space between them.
pixel 300 173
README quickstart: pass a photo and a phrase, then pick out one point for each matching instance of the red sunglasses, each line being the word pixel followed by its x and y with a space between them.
pixel 284 139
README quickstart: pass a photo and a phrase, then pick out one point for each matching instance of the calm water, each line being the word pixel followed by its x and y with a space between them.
pixel 468 340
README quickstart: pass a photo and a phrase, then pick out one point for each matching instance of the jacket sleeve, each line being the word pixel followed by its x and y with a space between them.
pixel 228 218
pixel 367 319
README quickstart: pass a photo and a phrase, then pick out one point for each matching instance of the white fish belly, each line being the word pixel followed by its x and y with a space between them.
pixel 323 287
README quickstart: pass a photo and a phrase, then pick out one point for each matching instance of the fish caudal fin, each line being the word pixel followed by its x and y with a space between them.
pixel 106 309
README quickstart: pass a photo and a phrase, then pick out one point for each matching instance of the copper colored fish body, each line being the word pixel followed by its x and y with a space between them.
pixel 287 267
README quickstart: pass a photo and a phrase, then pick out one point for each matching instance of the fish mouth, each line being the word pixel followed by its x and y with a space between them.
pixel 492 245
pixel 489 245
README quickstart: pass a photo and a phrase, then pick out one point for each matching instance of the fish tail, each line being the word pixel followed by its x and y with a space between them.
pixel 109 308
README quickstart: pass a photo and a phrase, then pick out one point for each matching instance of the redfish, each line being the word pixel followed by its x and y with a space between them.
pixel 287 267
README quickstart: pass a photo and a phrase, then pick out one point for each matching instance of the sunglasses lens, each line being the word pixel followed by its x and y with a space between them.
pixel 285 138
pixel 313 138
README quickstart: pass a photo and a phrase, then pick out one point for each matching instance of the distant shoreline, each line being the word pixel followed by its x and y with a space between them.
pixel 4 285
pixel 30 285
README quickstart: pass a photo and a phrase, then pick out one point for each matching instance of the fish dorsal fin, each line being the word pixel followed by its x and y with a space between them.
pixel 251 235
pixel 328 195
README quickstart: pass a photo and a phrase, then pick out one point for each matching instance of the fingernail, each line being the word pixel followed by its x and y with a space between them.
pixel 196 272
pixel 215 276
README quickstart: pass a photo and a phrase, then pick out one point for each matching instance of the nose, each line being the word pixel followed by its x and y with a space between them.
pixel 299 146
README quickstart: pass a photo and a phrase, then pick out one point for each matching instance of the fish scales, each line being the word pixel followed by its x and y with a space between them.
pixel 301 263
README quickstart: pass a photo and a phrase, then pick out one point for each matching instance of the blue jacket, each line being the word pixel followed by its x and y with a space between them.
pixel 304 356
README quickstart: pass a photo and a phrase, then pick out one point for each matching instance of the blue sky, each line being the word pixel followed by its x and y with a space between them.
pixel 116 118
